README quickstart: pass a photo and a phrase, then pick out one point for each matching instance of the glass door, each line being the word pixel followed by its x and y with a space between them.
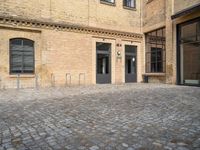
pixel 130 63
pixel 189 53
pixel 103 67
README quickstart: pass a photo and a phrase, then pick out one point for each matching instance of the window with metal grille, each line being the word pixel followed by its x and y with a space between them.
pixel 21 56
pixel 129 3
pixel 155 51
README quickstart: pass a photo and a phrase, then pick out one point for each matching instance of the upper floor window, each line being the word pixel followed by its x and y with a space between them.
pixel 155 51
pixel 21 56
pixel 108 1
pixel 129 3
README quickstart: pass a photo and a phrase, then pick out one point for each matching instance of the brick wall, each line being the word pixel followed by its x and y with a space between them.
pixel 72 51
pixel 183 4
pixel 66 56
pixel 82 12
pixel 153 14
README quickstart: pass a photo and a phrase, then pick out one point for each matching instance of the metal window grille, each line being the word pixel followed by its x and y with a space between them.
pixel 155 51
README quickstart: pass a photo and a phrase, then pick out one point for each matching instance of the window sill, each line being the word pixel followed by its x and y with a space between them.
pixel 130 8
pixel 154 74
pixel 107 3
pixel 22 76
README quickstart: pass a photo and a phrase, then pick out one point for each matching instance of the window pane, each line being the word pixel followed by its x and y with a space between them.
pixel 159 66
pixel 153 67
pixel 21 56
pixel 102 63
pixel 27 43
pixel 129 3
pixel 109 1
pixel 103 46
pixel 155 51
pixel 189 30
pixel 190 53
pixel 153 57
pixel 130 49
pixel 159 55
pixel 16 42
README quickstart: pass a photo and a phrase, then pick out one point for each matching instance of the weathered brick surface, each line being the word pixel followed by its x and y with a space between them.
pixel 153 14
pixel 58 52
pixel 157 14
pixel 182 4
pixel 83 12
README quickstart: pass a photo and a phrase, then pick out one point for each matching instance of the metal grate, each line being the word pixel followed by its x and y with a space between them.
pixel 155 51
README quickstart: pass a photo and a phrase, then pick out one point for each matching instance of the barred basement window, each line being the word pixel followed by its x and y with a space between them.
pixel 108 1
pixel 155 51
pixel 21 56
pixel 129 3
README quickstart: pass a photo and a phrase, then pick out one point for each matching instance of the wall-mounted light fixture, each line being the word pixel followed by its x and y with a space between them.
pixel 118 53
pixel 119 56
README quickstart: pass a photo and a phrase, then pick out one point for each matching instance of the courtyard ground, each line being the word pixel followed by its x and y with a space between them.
pixel 101 117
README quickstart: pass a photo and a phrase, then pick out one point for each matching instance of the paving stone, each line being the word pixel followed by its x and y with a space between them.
pixel 158 145
pixel 11 149
pixel 167 148
pixel 182 148
pixel 94 148
pixel 130 148
pixel 121 117
pixel 124 145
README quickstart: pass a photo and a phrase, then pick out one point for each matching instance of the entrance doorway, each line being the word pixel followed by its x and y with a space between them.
pixel 103 61
pixel 130 63
pixel 189 53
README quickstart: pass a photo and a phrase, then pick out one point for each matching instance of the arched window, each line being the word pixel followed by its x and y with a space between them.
pixel 21 56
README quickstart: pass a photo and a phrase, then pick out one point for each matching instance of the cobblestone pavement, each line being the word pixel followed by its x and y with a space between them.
pixel 102 117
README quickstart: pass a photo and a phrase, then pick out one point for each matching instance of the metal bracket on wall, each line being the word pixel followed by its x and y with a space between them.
pixel 52 80
pixel 18 81
pixel 36 81
pixel 82 74
pixel 68 75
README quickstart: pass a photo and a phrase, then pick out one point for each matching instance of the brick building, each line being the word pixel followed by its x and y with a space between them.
pixel 58 43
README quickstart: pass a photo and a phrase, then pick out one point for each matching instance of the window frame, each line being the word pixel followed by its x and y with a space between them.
pixel 10 58
pixel 108 3
pixel 155 51
pixel 129 7
pixel 148 48
pixel 178 46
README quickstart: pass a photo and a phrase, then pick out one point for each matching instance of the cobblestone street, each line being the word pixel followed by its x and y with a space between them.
pixel 101 117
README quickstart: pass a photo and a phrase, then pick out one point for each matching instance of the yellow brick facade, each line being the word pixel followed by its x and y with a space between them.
pixel 157 14
pixel 65 33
